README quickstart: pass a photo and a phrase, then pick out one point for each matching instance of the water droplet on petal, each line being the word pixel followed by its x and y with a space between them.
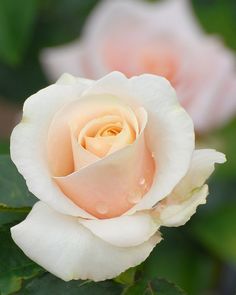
pixel 101 208
pixel 153 155
pixel 142 181
pixel 134 197
pixel 146 187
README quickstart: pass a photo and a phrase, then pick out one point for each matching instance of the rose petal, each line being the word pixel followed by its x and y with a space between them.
pixel 124 231
pixel 169 133
pixel 63 246
pixel 81 157
pixel 116 84
pixel 68 79
pixel 178 214
pixel 105 23
pixel 111 186
pixel 29 140
pixel 184 24
pixel 182 203
pixel 203 87
pixel 201 167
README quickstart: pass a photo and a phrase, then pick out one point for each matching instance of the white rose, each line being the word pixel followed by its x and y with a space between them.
pixel 111 161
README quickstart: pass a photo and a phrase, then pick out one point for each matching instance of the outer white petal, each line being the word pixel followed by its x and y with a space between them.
pixel 67 249
pixel 202 166
pixel 68 79
pixel 114 83
pixel 29 138
pixel 182 203
pixel 169 133
pixel 123 231
pixel 179 214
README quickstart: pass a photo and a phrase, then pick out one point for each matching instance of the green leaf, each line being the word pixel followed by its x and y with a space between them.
pixel 16 26
pixel 11 216
pixel 14 265
pixel 49 284
pixel 61 21
pixel 216 230
pixel 127 277
pixel 15 199
pixel 4 147
pixel 175 256
pixel 154 287
pixel 13 190
pixel 18 83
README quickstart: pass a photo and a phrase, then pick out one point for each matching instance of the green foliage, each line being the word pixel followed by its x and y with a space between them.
pixel 15 199
pixel 16 27
pixel 56 22
pixel 61 21
pixel 14 265
pixel 11 215
pixel 127 277
pixel 4 147
pixel 19 82
pixel 154 287
pixel 48 284
pixel 13 190
pixel 174 257
pixel 216 230
pixel 218 17
pixel 228 145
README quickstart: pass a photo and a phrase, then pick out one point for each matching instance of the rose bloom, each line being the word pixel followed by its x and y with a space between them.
pixel 161 38
pixel 111 161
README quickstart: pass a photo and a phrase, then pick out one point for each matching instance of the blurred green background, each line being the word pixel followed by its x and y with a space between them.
pixel 199 257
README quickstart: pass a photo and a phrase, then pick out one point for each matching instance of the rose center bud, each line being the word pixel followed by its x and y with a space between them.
pixel 99 157
pixel 110 130
pixel 106 135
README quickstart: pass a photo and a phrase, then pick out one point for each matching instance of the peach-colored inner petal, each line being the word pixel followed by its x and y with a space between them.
pixel 109 167
pixel 113 185
pixel 67 123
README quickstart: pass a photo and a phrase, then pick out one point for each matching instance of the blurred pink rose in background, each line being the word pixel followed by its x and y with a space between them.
pixel 161 38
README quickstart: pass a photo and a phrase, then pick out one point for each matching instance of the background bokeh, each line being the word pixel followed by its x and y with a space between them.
pixel 200 257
